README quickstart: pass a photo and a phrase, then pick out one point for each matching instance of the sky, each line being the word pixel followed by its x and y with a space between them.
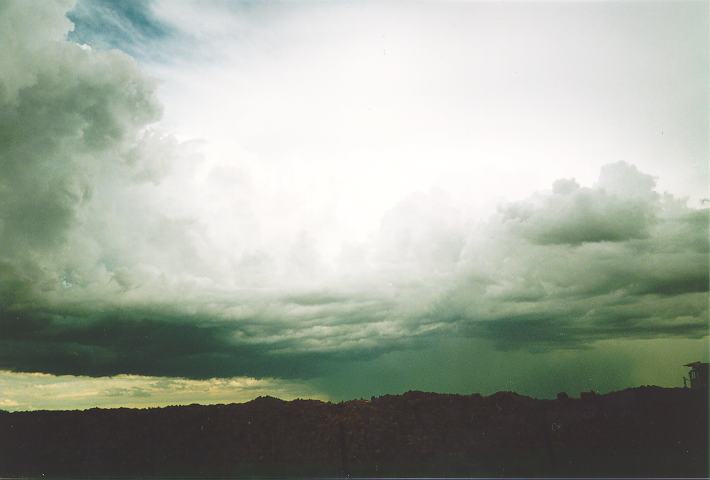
pixel 208 201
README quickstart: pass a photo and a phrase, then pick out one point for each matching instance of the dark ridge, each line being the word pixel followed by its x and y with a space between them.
pixel 639 432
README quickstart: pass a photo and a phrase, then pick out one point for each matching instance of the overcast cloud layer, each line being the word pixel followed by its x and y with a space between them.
pixel 126 250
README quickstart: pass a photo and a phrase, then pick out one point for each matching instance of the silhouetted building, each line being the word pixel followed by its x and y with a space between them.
pixel 587 395
pixel 698 374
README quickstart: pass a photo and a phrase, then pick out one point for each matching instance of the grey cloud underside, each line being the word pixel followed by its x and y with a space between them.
pixel 99 277
pixel 161 343
pixel 546 331
pixel 147 347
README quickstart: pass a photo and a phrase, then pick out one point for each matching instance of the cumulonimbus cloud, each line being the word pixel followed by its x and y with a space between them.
pixel 101 274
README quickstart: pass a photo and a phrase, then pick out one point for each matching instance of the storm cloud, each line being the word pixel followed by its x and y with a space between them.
pixel 125 251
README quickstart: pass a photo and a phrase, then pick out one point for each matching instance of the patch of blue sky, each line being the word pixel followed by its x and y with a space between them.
pixel 127 25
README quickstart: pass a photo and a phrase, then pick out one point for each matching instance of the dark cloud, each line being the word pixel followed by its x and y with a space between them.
pixel 166 342
pixel 113 345
pixel 545 331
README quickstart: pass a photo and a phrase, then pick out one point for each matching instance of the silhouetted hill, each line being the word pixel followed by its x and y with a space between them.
pixel 646 431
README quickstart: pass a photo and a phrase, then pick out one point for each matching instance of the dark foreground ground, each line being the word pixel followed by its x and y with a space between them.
pixel 646 431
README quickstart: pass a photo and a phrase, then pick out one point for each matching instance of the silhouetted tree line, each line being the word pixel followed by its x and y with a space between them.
pixel 647 431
